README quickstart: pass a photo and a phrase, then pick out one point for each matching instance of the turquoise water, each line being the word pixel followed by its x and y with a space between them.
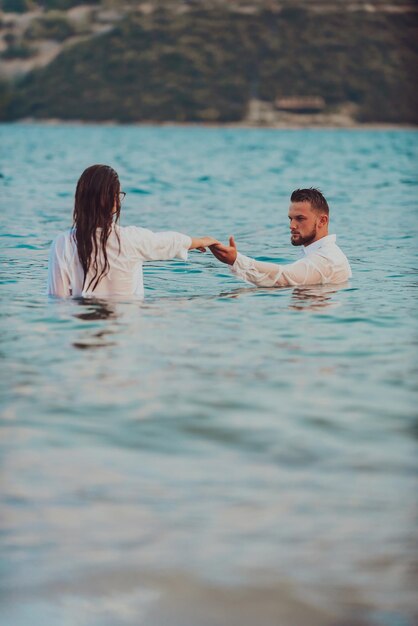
pixel 218 454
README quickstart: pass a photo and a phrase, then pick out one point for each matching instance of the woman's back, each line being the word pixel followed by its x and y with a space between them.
pixel 126 248
pixel 97 256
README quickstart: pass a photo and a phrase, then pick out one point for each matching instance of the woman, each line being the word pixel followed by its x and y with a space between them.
pixel 97 256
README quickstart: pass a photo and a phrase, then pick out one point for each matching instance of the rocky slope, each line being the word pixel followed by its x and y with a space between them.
pixel 210 62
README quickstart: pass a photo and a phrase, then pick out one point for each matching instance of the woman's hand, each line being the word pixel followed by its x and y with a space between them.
pixel 201 243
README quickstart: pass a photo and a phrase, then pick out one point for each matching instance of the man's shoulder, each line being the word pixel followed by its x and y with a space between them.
pixel 329 244
pixel 331 251
pixel 328 249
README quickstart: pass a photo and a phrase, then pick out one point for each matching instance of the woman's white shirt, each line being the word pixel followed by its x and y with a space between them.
pixel 125 277
pixel 322 262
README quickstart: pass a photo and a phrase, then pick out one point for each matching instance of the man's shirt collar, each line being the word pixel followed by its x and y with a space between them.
pixel 319 244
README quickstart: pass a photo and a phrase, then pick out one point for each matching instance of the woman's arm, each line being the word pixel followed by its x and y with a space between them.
pixel 201 243
pixel 166 245
pixel 58 279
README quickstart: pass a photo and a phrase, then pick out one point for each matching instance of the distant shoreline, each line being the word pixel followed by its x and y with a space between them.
pixel 227 125
pixel 279 66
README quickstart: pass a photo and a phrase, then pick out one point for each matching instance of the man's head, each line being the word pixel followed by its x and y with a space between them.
pixel 308 215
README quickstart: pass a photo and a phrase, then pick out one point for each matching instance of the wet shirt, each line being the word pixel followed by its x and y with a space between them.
pixel 125 277
pixel 322 262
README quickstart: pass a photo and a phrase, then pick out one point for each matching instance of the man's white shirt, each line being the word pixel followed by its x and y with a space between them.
pixel 322 262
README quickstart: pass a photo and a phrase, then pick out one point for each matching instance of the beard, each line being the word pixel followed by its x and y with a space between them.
pixel 298 240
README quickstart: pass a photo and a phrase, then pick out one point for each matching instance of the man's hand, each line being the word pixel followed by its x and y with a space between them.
pixel 225 254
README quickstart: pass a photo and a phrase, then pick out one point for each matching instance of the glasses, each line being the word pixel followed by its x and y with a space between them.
pixel 122 195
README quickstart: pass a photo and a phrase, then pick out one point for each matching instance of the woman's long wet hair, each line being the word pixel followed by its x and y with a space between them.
pixel 96 198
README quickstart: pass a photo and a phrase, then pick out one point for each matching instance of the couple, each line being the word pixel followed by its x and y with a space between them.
pixel 100 258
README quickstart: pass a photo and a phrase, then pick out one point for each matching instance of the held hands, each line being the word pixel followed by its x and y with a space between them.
pixel 225 254
pixel 201 243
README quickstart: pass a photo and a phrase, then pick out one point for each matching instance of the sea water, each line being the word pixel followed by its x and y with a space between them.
pixel 217 454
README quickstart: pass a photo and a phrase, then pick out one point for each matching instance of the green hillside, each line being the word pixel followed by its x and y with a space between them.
pixel 205 65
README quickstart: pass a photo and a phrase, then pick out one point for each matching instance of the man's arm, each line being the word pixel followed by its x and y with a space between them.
pixel 262 274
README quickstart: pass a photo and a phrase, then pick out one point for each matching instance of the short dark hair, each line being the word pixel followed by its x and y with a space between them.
pixel 312 195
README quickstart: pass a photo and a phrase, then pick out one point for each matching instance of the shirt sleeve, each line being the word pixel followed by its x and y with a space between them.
pixel 302 272
pixel 160 246
pixel 58 277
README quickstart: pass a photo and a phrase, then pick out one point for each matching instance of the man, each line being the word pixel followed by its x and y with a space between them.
pixel 322 262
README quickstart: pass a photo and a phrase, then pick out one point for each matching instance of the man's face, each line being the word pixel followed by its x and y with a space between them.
pixel 303 223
